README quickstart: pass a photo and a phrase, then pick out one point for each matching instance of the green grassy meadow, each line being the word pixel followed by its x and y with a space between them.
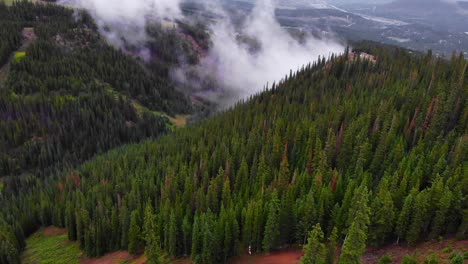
pixel 54 248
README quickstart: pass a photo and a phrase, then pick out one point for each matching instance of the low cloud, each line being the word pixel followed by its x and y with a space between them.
pixel 237 69
pixel 244 72
pixel 125 20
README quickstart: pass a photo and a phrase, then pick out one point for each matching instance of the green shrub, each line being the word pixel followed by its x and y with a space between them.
pixel 431 259
pixel 456 258
pixel 447 250
pixel 385 259
pixel 409 260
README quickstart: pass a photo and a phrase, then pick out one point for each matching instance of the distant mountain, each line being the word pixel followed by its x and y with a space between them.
pixel 437 14
pixel 463 4
pixel 433 5
pixel 422 5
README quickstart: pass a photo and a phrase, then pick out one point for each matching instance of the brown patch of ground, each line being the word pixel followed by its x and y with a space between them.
pixel 287 256
pixel 28 35
pixel 179 120
pixel 116 258
pixel 421 251
pixel 53 231
pixel 110 258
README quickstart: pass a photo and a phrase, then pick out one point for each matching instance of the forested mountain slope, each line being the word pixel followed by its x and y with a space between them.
pixel 66 94
pixel 372 152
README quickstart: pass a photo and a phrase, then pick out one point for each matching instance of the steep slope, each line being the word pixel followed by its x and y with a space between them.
pixel 68 95
pixel 373 152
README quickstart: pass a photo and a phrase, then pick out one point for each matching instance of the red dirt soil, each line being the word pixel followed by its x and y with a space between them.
pixel 292 256
pixel 53 231
pixel 289 256
pixel 421 251
pixel 111 258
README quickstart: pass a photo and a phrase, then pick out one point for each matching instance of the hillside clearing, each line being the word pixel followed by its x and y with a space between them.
pixel 179 120
pixel 51 245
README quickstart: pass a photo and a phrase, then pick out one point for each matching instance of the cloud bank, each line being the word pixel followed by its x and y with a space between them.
pixel 245 72
pixel 237 69
pixel 126 19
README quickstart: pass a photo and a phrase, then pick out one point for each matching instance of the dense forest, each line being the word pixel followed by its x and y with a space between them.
pixel 66 95
pixel 341 154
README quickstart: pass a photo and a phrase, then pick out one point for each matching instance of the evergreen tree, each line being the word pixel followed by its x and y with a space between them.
pixel 134 233
pixel 355 242
pixel 150 233
pixel 419 217
pixel 332 246
pixel 314 250
pixel 382 215
pixel 271 233
pixel 172 245
pixel 404 218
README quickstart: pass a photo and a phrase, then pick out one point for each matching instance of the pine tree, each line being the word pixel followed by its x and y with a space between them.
pixel 314 250
pixel 307 216
pixel 271 234
pixel 248 217
pixel 418 218
pixel 440 218
pixel 124 224
pixel 404 218
pixel 172 246
pixel 382 216
pixel 134 233
pixel 187 233
pixel 209 247
pixel 332 246
pixel 151 236
pixel 355 242
pixel 197 240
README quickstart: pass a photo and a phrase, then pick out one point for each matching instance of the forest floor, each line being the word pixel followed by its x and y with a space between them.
pixel 287 256
pixel 50 245
pixel 115 258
